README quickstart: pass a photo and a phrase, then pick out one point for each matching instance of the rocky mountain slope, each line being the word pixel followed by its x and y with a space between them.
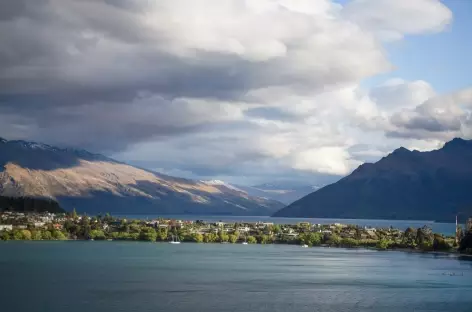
pixel 433 185
pixel 93 183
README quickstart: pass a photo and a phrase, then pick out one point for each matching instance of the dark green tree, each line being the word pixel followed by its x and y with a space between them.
pixel 409 238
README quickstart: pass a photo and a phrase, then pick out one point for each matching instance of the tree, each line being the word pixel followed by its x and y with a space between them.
pixel 440 244
pixel 197 237
pixel 349 242
pixel 162 234
pixel 232 238
pixel 424 237
pixel 21 235
pixel 74 214
pixel 358 234
pixel 4 235
pixel 46 235
pixel 465 245
pixel 36 235
pixel 251 240
pixel 209 237
pixel 133 236
pixel 108 218
pixel 383 244
pixel 124 227
pixel 26 234
pixel 333 240
pixel 56 234
pixel 124 236
pixel 276 229
pixel 148 234
pixel 459 233
pixel 97 234
pixel 223 237
pixel 85 227
pixel 409 238
pixel 134 228
pixel 311 239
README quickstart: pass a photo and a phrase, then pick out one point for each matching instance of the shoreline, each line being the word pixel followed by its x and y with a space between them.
pixel 403 250
pixel 74 227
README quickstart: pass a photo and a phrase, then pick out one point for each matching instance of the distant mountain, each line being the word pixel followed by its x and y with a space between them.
pixel 283 192
pixel 94 183
pixel 406 184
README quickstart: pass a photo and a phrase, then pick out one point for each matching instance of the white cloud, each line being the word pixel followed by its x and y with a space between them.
pixel 222 88
pixel 391 20
pixel 331 160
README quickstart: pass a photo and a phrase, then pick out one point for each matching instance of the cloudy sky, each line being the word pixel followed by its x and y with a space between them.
pixel 240 90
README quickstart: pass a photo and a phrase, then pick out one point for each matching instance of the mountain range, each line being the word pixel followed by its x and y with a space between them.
pixel 434 185
pixel 94 183
pixel 286 193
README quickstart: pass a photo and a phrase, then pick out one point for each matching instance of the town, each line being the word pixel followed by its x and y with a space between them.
pixel 61 226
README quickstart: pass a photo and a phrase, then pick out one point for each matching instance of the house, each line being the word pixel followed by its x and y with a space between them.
pixel 243 229
pixel 57 226
pixel 39 224
pixel 6 227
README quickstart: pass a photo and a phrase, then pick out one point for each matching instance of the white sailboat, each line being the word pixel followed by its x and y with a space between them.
pixel 245 241
pixel 174 240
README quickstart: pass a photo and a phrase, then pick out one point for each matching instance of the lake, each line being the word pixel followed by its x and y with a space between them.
pixel 437 227
pixel 136 276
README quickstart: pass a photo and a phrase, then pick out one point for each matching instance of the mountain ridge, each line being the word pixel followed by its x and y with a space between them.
pixel 433 185
pixel 95 183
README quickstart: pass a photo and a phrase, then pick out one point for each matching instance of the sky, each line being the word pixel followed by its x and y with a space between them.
pixel 243 91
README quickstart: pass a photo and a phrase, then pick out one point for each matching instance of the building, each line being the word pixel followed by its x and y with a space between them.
pixel 6 227
pixel 468 225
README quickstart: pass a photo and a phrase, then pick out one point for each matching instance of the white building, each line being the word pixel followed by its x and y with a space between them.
pixel 243 229
pixel 6 227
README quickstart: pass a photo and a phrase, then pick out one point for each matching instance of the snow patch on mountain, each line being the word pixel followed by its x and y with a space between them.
pixel 223 183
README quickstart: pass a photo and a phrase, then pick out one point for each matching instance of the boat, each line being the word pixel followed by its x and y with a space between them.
pixel 174 241
pixel 244 243
pixel 305 246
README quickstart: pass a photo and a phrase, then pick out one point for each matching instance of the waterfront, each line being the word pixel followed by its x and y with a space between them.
pixel 138 276
pixel 437 227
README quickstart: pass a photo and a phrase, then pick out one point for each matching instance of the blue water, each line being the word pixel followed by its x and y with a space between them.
pixel 133 276
pixel 444 228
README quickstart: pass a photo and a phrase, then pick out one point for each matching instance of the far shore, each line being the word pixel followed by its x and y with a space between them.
pixel 71 227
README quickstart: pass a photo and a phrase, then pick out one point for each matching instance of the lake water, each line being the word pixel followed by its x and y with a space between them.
pixel 444 228
pixel 132 276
